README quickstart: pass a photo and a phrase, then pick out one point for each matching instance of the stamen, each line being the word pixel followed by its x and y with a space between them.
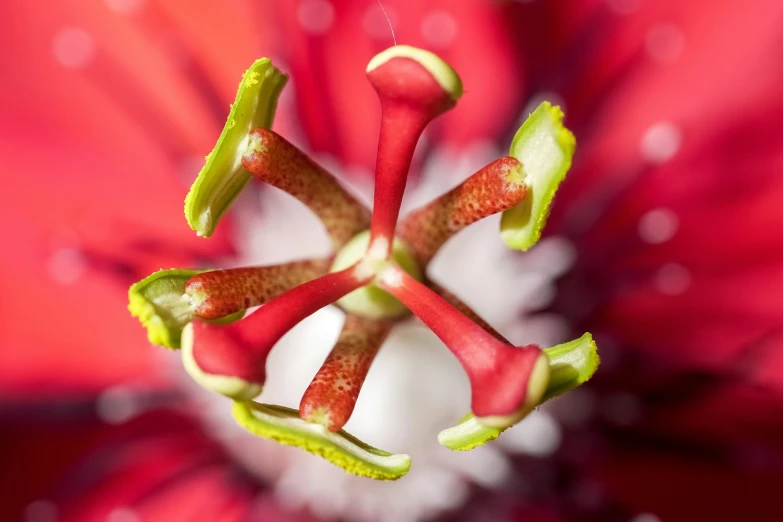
pixel 506 381
pixel 414 86
pixel 219 293
pixel 223 177
pixel 270 158
pixel 342 449
pixel 239 350
pixel 332 395
pixel 497 187
pixel 545 147
pixel 160 303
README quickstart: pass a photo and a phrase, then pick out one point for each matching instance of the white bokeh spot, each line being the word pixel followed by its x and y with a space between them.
pixel 123 514
pixel 117 404
pixel 73 47
pixel 315 17
pixel 40 511
pixel 375 23
pixel 623 7
pixel 125 7
pixel 645 517
pixel 672 279
pixel 66 265
pixel 665 42
pixel 661 142
pixel 658 225
pixel 439 28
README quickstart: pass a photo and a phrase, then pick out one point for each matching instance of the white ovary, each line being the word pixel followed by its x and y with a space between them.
pixel 415 387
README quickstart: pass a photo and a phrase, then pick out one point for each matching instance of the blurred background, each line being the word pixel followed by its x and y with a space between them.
pixel 666 242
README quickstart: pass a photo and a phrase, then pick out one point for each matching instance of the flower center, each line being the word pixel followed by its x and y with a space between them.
pixel 370 301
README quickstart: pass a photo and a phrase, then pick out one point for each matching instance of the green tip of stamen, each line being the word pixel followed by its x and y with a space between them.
pixel 570 365
pixel 160 303
pixel 468 434
pixel 223 177
pixel 341 448
pixel 545 148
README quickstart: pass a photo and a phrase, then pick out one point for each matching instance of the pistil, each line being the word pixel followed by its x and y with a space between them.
pixel 506 381
pixel 414 86
pixel 272 159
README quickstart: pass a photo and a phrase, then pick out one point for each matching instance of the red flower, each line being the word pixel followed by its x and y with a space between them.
pixel 670 205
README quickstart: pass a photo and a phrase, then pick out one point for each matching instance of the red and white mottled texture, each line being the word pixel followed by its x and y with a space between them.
pixel 499 373
pixel 495 188
pixel 274 160
pixel 240 349
pixel 223 292
pixel 410 98
pixel 332 394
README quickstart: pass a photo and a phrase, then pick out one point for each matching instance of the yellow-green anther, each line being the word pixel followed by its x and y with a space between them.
pixel 545 148
pixel 340 448
pixel 570 364
pixel 160 303
pixel 223 177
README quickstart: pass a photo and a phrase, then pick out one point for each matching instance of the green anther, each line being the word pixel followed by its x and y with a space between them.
pixel 160 303
pixel 223 177
pixel 341 449
pixel 545 148
pixel 570 364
